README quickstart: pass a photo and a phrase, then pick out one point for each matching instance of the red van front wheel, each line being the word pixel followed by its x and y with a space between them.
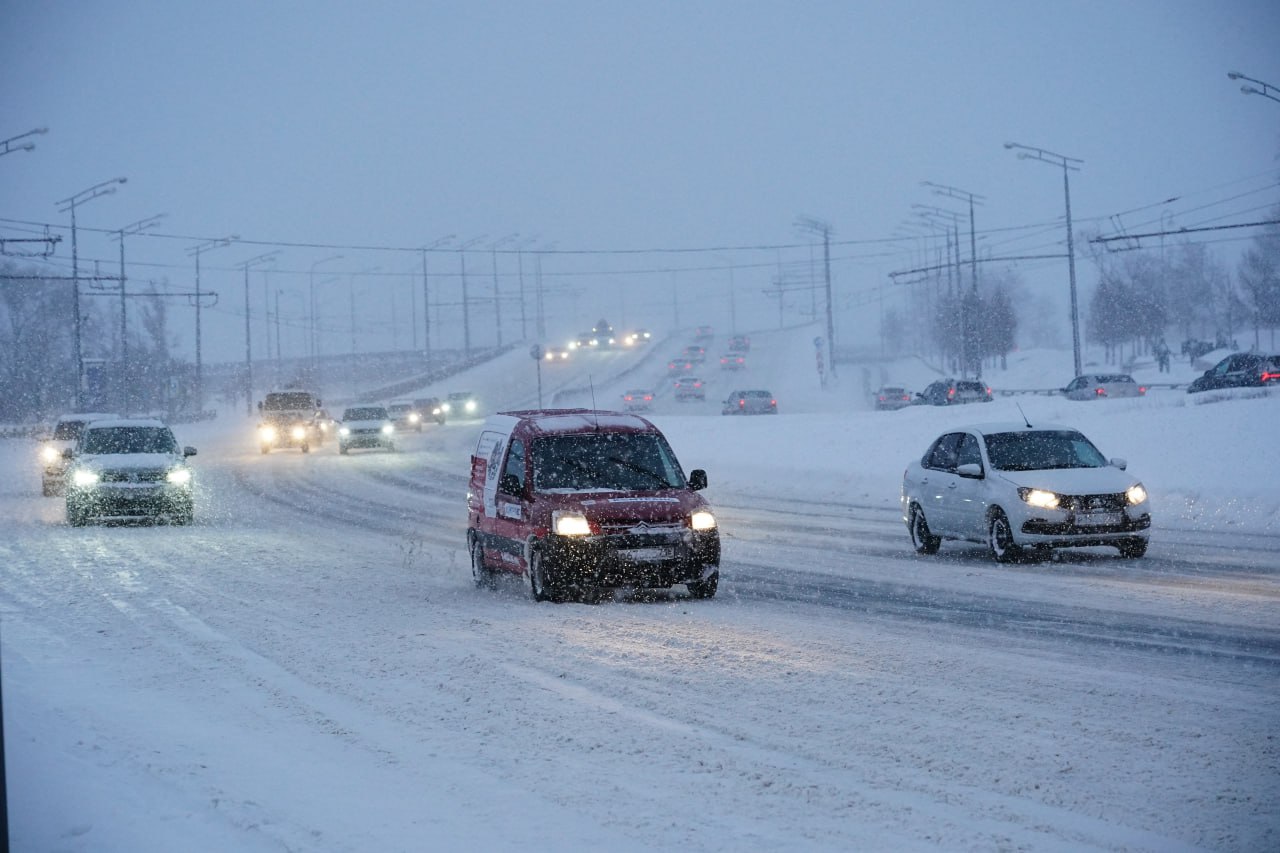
pixel 539 583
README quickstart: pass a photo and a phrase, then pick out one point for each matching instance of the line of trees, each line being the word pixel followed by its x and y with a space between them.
pixel 37 350
pixel 1187 290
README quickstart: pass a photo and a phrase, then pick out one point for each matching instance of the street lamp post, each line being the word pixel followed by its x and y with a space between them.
pixel 466 301
pixel 136 228
pixel 426 299
pixel 972 198
pixel 9 147
pixel 312 348
pixel 197 251
pixel 819 227
pixel 1267 91
pixel 248 352
pixel 497 293
pixel 351 291
pixel 1027 152
pixel 104 188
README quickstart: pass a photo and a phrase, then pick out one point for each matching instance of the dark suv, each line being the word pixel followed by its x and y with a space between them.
pixel 1241 370
pixel 950 392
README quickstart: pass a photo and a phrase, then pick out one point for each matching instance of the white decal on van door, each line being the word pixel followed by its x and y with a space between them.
pixel 492 448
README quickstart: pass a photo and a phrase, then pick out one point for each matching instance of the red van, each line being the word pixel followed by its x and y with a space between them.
pixel 586 501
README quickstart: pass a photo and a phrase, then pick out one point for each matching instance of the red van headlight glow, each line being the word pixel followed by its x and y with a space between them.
pixel 564 523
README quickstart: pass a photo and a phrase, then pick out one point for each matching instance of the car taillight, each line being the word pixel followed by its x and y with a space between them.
pixel 773 403
pixel 1101 392
pixel 1269 377
pixel 988 392
pixel 1142 389
pixel 742 404
pixel 951 392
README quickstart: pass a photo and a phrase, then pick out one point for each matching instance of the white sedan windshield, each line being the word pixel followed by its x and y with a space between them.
pixel 1041 450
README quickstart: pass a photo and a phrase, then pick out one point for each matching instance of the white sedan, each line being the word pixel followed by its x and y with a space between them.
pixel 1103 386
pixel 1021 489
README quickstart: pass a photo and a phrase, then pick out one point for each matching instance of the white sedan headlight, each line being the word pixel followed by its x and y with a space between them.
pixel 702 520
pixel 414 417
pixel 570 524
pixel 1040 498
pixel 471 405
pixel 84 477
pixel 387 429
pixel 1136 494
pixel 267 433
pixel 179 476
pixel 344 431
pixel 446 407
pixel 299 433
pixel 50 454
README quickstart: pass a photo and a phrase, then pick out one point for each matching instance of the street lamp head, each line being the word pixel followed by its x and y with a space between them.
pixel 1234 75
pixel 1011 145
pixel 1249 90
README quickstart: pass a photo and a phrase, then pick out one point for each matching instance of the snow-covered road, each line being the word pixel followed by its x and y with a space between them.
pixel 309 667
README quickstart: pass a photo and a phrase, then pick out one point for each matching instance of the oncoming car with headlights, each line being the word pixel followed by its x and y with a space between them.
pixel 583 502
pixel 366 426
pixel 461 404
pixel 64 435
pixel 1023 490
pixel 126 469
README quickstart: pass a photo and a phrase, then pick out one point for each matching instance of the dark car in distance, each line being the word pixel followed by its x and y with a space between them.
pixel 1239 370
pixel 952 392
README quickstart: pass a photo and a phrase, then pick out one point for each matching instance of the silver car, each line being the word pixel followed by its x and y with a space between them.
pixel 753 402
pixel 1103 386
pixel 126 469
pixel 1023 490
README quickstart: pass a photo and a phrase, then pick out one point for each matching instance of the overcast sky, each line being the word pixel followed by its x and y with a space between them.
pixel 614 127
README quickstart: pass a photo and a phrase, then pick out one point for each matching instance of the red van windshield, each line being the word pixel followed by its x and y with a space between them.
pixel 604 461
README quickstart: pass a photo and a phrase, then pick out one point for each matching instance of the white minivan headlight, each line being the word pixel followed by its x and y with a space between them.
pixel 1136 494
pixel 83 477
pixel 570 524
pixel 49 453
pixel 179 476
pixel 702 520
pixel 387 429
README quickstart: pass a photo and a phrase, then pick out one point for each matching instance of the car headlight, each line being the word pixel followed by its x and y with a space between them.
pixel 387 429
pixel 267 433
pixel 344 431
pixel 84 477
pixel 446 407
pixel 414 418
pixel 299 433
pixel 570 524
pixel 702 520
pixel 179 476
pixel 1040 498
pixel 1136 494
pixel 50 454
pixel 471 405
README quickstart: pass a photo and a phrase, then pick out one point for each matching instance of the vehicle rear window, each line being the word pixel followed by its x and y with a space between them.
pixel 1041 450
pixel 133 439
pixel 604 461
